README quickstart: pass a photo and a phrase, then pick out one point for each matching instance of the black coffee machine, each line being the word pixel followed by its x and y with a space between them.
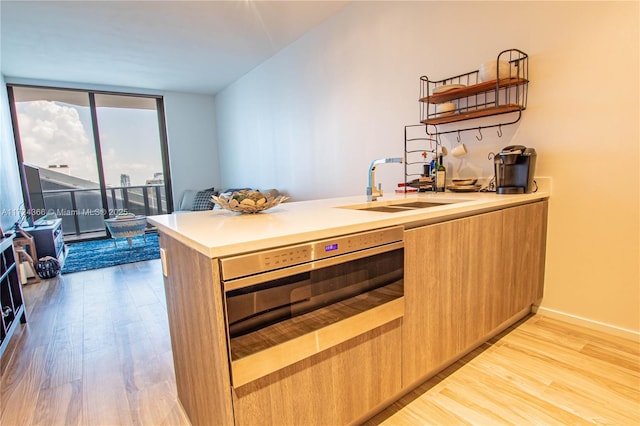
pixel 514 168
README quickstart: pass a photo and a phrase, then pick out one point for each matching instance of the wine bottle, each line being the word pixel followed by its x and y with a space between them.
pixel 441 176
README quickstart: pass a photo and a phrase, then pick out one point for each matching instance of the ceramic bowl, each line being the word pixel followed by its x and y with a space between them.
pixel 489 70
pixel 247 201
pixel 445 109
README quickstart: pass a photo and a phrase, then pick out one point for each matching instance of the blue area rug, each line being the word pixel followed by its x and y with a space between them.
pixel 103 253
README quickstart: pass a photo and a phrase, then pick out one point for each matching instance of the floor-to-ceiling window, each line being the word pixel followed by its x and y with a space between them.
pixel 98 153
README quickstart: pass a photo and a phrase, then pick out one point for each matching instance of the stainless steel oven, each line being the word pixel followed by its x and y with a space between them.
pixel 288 303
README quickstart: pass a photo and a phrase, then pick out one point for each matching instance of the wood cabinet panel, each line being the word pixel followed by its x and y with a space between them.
pixel 336 386
pixel 196 323
pixel 523 251
pixel 464 278
pixel 433 294
pixel 483 272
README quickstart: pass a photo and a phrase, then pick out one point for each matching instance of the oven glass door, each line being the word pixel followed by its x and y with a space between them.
pixel 268 313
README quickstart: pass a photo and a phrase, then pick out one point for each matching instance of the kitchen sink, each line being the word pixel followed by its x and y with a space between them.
pixel 402 206
pixel 386 209
pixel 423 204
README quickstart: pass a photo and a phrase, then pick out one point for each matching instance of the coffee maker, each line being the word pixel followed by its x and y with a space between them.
pixel 514 168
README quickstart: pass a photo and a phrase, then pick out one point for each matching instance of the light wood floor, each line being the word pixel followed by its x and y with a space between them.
pixel 96 351
pixel 539 372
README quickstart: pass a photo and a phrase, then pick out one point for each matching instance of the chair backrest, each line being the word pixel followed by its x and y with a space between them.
pixel 120 228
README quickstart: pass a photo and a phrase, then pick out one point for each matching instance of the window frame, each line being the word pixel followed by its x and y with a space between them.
pixel 162 133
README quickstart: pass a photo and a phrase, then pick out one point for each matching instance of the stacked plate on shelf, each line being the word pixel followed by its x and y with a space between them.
pixel 464 185
pixel 447 87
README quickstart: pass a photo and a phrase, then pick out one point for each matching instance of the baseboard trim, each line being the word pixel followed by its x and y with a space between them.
pixel 588 323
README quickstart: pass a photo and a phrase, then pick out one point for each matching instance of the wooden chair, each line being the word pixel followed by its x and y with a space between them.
pixel 25 248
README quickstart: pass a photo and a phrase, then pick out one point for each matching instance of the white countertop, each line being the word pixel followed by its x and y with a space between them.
pixel 218 233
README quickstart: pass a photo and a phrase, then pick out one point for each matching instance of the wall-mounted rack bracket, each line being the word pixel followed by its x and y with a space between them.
pixel 419 148
pixel 471 96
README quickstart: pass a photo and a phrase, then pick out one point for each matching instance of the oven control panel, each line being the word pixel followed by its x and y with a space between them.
pixel 264 261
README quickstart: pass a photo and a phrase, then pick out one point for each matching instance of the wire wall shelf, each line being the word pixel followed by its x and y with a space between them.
pixel 496 89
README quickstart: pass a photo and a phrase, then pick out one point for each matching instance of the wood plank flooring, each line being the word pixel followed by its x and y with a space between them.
pixel 539 372
pixel 96 351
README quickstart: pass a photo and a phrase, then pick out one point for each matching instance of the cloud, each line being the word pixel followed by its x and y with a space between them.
pixel 57 133
pixel 53 133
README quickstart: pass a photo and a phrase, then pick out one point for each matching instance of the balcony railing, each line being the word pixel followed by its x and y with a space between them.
pixel 82 212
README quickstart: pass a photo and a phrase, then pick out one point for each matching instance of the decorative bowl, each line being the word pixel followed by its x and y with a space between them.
pixel 248 201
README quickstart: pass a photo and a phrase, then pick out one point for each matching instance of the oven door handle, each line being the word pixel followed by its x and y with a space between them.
pixel 308 266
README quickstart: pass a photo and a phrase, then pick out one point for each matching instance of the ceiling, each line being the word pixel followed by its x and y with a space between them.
pixel 183 46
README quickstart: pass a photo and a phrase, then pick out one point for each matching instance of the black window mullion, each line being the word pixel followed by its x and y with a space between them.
pixel 98 148
pixel 164 151
pixel 18 144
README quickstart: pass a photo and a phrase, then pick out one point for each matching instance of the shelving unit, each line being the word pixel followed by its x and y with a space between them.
pixel 474 98
pixel 49 240
pixel 504 98
pixel 11 299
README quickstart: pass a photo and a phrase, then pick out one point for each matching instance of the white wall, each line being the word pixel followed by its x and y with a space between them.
pixel 309 121
pixel 193 153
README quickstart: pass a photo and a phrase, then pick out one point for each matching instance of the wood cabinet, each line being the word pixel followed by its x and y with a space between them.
pixel 464 278
pixel 334 386
pixel 12 310
pixel 198 337
pixel 49 240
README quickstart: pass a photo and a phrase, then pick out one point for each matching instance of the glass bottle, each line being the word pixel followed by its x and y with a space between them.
pixel 441 176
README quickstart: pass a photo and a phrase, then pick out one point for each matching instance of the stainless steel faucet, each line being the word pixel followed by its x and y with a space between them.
pixel 372 192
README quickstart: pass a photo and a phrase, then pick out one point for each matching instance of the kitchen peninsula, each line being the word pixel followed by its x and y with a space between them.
pixel 432 284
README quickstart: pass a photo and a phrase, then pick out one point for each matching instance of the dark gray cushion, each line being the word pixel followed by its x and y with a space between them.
pixel 202 200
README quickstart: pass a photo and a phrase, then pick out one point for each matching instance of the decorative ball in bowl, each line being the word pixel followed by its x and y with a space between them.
pixel 248 201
